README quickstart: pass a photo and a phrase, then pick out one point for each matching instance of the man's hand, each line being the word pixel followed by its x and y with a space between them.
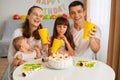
pixel 92 33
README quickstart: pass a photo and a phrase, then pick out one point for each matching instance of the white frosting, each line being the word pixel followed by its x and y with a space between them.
pixel 60 63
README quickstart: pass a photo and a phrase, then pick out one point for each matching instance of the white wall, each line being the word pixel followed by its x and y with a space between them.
pixel 100 14
pixel 9 7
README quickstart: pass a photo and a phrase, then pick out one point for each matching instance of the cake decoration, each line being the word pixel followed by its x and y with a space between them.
pixel 30 68
pixel 85 63
pixel 45 59
pixel 60 61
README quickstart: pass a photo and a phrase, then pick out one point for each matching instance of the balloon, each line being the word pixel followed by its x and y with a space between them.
pixel 58 15
pixel 65 16
pixel 16 17
pixel 47 16
pixel 53 17
pixel 23 17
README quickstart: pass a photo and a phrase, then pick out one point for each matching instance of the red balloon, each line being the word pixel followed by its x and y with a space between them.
pixel 65 16
pixel 16 17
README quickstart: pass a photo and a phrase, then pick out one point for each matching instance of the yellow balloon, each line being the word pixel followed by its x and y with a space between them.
pixel 23 17
pixel 53 17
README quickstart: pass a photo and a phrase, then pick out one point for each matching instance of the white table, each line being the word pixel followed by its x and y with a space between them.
pixel 100 71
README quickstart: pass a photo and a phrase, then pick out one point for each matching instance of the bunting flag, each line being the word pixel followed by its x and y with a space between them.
pixel 54 6
pixel 38 1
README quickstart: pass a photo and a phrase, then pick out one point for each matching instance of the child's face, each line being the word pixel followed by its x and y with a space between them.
pixel 25 44
pixel 61 29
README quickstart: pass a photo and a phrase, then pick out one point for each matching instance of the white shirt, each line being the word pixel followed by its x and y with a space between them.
pixel 82 47
pixel 25 56
pixel 12 51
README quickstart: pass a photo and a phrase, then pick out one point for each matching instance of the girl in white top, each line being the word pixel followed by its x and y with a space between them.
pixel 62 31
pixel 24 51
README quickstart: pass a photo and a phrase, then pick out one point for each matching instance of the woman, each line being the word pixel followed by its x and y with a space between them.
pixel 29 30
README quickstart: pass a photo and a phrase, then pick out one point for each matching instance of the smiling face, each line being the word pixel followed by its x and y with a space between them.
pixel 77 13
pixel 35 18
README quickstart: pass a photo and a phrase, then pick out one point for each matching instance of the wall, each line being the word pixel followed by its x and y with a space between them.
pixel 100 14
pixel 10 7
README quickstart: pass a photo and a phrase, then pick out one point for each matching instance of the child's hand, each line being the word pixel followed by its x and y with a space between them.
pixel 21 62
pixel 93 32
pixel 63 37
pixel 18 60
pixel 36 47
pixel 19 57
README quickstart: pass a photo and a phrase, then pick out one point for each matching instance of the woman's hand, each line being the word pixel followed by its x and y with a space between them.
pixel 49 41
pixel 44 46
pixel 37 49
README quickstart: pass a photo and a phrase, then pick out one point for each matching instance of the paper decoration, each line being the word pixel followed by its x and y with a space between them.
pixel 30 68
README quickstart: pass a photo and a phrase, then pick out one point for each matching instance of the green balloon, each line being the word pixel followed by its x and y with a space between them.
pixel 47 16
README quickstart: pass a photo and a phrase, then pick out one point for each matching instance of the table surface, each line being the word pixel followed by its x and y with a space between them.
pixel 100 71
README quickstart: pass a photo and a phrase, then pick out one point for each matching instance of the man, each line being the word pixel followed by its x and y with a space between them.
pixel 84 48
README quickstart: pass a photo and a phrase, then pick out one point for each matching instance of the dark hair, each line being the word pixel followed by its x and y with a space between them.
pixel 26 28
pixel 76 3
pixel 63 21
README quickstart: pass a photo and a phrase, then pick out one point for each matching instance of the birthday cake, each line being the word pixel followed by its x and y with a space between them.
pixel 60 61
